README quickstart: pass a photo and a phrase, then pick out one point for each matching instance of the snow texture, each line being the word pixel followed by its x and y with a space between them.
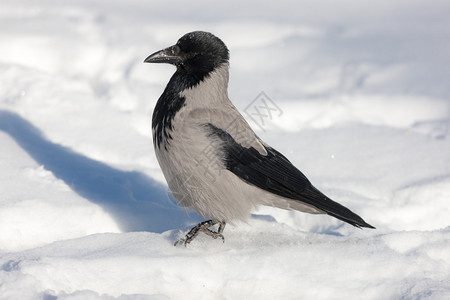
pixel 361 104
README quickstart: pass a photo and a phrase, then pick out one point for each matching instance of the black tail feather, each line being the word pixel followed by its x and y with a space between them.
pixel 317 199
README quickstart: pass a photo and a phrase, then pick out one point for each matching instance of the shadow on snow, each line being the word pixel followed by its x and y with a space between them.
pixel 134 200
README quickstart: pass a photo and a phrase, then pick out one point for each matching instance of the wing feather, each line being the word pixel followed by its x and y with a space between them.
pixel 276 174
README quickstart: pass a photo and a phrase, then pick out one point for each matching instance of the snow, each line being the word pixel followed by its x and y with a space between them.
pixel 363 109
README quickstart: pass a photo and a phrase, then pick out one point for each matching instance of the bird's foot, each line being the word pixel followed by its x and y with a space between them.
pixel 203 227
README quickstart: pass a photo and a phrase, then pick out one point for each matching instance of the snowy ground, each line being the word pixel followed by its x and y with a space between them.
pixel 363 98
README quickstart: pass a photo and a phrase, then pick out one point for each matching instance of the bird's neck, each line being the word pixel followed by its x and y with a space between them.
pixel 211 91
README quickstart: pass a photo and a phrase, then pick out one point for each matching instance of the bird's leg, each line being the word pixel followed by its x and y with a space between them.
pixel 203 227
pixel 221 227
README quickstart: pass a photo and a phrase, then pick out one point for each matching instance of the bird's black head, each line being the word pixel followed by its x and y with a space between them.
pixel 196 52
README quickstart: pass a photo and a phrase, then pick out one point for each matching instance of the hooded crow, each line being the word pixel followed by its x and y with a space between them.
pixel 212 160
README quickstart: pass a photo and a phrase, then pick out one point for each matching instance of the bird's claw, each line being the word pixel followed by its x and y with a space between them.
pixel 203 227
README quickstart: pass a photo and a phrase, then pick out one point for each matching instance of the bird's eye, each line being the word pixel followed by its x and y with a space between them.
pixel 176 50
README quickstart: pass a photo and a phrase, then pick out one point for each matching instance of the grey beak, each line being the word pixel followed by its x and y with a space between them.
pixel 170 55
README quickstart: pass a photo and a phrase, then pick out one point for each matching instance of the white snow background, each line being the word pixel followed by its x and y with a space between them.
pixel 364 93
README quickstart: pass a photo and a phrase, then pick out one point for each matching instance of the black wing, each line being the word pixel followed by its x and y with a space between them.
pixel 275 173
